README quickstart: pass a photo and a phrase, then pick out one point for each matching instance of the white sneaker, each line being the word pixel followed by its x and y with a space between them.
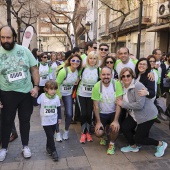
pixel 3 153
pixel 58 137
pixel 26 152
pixel 65 135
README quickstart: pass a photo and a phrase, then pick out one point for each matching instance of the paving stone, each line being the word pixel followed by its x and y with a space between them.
pixel 12 166
pixel 77 162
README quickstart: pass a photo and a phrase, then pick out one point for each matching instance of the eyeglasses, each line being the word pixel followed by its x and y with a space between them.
pixel 127 76
pixel 107 62
pixel 152 61
pixel 103 49
pixel 45 57
pixel 95 48
pixel 75 61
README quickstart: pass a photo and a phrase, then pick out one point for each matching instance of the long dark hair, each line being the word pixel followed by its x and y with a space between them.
pixel 147 70
pixel 105 59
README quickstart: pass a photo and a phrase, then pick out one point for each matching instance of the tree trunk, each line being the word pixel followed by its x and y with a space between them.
pixel 18 33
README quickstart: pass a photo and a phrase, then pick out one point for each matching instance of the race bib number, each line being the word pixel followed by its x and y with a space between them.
pixel 44 77
pixel 67 88
pixel 16 76
pixel 87 88
pixel 49 111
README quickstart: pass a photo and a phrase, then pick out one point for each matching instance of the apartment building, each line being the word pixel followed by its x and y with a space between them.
pixel 51 38
pixel 154 28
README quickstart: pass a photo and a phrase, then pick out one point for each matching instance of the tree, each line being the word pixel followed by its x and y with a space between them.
pixel 69 18
pixel 124 10
pixel 25 12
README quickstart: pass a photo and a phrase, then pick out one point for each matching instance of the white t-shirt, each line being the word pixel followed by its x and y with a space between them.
pixel 54 67
pixel 48 110
pixel 120 66
pixel 107 104
pixel 89 79
pixel 44 74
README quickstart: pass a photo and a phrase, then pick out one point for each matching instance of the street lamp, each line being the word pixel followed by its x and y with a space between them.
pixel 8 12
pixel 139 29
pixel 87 25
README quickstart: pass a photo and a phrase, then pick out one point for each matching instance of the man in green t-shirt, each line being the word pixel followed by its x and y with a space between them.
pixel 104 95
pixel 16 67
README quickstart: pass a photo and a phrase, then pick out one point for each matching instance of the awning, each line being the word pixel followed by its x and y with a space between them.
pixel 158 28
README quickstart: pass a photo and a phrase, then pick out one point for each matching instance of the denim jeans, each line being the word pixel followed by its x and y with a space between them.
pixel 68 105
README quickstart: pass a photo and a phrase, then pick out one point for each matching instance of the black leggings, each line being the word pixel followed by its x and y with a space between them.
pixel 13 101
pixel 49 131
pixel 86 108
pixel 142 132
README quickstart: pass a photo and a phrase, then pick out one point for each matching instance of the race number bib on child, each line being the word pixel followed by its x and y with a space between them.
pixel 67 88
pixel 50 110
pixel 87 88
pixel 16 76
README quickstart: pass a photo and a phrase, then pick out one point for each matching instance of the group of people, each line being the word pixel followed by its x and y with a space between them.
pixel 117 89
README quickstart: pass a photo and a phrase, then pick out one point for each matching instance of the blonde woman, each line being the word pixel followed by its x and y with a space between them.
pixel 89 77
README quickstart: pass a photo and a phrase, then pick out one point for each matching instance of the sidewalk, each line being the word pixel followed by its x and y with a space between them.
pixel 89 156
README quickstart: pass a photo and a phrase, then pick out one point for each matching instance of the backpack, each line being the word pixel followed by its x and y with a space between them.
pixel 58 70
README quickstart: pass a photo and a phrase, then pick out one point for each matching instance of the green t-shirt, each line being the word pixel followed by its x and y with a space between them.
pixel 15 69
pixel 108 96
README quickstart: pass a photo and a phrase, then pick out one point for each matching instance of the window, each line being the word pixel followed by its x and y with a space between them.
pixel 45 29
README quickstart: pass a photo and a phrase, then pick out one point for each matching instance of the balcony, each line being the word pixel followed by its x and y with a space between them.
pixel 131 21
pixel 104 30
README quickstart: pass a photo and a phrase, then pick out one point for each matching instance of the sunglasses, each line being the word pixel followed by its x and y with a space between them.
pixel 127 76
pixel 103 49
pixel 45 57
pixel 95 48
pixel 75 61
pixel 107 62
pixel 152 61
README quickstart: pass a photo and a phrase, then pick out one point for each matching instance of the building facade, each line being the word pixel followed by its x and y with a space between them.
pixel 154 28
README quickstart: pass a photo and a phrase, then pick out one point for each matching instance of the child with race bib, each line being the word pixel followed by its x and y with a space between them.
pixel 50 113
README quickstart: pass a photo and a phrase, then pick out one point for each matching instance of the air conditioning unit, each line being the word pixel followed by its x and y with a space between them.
pixel 163 10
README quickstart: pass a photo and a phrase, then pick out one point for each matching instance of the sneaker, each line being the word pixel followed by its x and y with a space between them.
pixel 111 149
pixel 83 138
pixel 55 156
pixel 129 149
pixel 26 152
pixel 161 149
pixel 89 138
pixel 102 141
pixel 58 137
pixel 65 135
pixel 48 151
pixel 3 153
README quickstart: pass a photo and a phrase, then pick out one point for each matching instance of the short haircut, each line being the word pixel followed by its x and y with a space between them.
pixel 151 56
pixel 104 44
pixel 90 43
pixel 106 67
pixel 50 84
pixel 155 51
pixel 127 69
pixel 76 49
pixel 14 34
pixel 124 48
pixel 93 54
pixel 168 55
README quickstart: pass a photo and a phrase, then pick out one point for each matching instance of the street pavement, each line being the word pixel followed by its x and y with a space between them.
pixel 89 156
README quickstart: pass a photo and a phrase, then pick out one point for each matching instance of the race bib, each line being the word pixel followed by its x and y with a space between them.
pixel 16 76
pixel 67 88
pixel 44 77
pixel 49 111
pixel 87 88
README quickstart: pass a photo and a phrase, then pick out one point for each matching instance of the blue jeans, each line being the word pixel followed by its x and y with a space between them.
pixel 68 105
